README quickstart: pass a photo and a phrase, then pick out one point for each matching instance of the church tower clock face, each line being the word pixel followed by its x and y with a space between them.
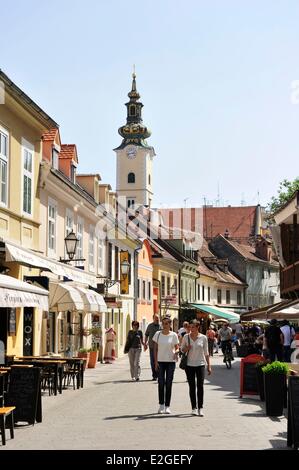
pixel 131 152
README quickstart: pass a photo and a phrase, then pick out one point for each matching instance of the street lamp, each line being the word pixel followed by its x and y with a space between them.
pixel 71 242
pixel 125 267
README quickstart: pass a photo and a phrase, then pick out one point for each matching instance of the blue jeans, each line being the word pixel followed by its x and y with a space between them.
pixel 152 358
pixel 165 378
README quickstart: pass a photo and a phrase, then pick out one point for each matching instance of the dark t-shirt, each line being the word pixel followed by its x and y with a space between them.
pixel 272 335
pixel 136 338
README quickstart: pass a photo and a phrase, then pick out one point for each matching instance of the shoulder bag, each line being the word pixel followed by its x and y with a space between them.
pixel 184 358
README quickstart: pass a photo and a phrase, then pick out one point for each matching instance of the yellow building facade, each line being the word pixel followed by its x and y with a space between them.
pixel 22 124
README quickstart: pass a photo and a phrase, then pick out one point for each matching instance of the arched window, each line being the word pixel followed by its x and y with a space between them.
pixel 133 110
pixel 131 178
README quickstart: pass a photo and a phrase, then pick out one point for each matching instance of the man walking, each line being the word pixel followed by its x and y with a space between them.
pixel 152 328
pixel 274 339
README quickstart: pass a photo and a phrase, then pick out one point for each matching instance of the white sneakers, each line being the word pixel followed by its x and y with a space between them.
pixel 163 409
pixel 195 412
pixel 200 412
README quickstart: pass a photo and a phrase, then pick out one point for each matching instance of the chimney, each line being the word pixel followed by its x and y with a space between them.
pixel 263 249
pixel 226 233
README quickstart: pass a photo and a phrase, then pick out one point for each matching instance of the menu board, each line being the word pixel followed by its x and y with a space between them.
pixel 24 393
pixel 293 412
pixel 248 375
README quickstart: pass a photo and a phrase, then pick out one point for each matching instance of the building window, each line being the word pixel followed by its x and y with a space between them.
pixel 149 179
pixel 144 290
pixel 91 248
pixel 69 222
pixel 168 285
pixel 162 287
pixel 27 180
pixel 52 212
pixel 55 158
pixel 209 294
pixel 138 289
pixel 73 173
pixel 110 249
pixel 198 291
pixel 228 296
pixel 149 291
pixel 203 292
pixel 132 110
pixel 80 227
pixel 116 262
pixel 130 269
pixel 100 255
pixel 175 283
pixel 219 296
pixel 3 166
pixel 239 297
pixel 131 178
pixel 130 203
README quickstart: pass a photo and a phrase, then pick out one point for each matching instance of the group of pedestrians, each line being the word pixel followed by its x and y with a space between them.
pixel 164 348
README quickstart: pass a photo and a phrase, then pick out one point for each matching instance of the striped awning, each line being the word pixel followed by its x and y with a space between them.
pixel 232 317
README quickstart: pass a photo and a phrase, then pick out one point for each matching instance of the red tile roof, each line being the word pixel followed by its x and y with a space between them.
pixel 248 252
pixel 50 135
pixel 69 151
pixel 239 221
pixel 212 221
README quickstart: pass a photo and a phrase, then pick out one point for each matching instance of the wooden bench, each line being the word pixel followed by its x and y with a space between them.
pixel 4 413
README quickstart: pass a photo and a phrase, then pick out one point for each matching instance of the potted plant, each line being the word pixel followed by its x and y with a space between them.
pixel 275 383
pixel 84 353
pixel 93 357
pixel 260 377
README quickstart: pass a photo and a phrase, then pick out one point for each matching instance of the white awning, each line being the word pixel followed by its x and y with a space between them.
pixel 64 297
pixel 29 258
pixel 93 302
pixel 15 293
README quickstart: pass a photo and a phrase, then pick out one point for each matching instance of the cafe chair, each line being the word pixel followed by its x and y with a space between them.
pixel 6 412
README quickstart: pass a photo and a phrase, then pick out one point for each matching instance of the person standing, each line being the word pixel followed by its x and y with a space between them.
pixel 288 336
pixel 152 328
pixel 211 340
pixel 239 332
pixel 165 353
pixel 198 356
pixel 109 353
pixel 274 340
pixel 225 334
pixel 134 346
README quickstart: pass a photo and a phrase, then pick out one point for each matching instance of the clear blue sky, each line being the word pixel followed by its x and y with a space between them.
pixel 214 77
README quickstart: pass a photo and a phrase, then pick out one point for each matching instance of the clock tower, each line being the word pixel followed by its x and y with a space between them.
pixel 134 156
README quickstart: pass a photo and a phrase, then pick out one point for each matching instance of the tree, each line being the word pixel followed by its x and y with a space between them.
pixel 285 192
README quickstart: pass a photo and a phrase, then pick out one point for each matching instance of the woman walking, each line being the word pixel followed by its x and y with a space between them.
pixel 165 353
pixel 133 348
pixel 198 356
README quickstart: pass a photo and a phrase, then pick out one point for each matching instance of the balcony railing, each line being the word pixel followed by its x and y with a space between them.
pixel 289 278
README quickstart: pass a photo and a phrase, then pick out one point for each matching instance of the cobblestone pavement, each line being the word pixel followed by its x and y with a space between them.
pixel 112 412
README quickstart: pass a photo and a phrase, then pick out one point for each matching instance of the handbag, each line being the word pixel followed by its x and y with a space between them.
pixel 184 358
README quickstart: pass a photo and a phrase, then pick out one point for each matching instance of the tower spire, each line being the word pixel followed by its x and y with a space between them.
pixel 134 131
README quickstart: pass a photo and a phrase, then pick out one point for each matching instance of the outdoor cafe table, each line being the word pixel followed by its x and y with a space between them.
pixel 41 362
pixel 69 360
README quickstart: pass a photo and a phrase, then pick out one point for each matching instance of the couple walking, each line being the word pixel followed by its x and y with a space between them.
pixel 165 352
